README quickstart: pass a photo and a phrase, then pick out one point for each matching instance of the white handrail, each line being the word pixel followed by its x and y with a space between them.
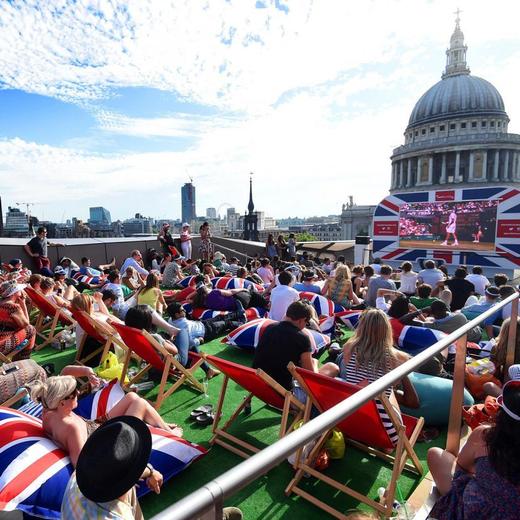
pixel 208 499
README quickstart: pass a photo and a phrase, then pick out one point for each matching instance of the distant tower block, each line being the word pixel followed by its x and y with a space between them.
pixel 189 212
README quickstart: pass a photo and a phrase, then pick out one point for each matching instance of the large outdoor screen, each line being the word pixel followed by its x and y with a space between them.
pixel 465 226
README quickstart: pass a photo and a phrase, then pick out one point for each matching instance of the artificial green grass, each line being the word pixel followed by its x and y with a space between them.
pixel 263 499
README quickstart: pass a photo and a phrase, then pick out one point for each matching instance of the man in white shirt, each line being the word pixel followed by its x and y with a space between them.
pixel 282 296
pixel 478 280
pixel 134 261
pixel 430 275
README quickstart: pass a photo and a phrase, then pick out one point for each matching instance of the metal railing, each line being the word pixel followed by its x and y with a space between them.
pixel 207 501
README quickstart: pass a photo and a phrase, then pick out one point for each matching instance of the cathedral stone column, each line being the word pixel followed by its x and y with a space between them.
pixel 409 173
pixel 484 165
pixel 506 166
pixel 401 174
pixel 430 170
pixel 496 162
pixel 471 166
pixel 443 169
pixel 456 177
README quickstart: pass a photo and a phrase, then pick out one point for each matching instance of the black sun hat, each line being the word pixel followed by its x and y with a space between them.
pixel 113 458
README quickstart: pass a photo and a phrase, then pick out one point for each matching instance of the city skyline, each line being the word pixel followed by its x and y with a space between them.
pixel 121 105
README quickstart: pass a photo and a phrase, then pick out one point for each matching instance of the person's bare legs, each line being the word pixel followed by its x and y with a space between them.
pixel 132 404
pixel 491 389
pixel 442 467
pixel 158 321
pixel 329 369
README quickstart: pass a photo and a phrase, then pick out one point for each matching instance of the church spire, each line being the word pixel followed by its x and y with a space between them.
pixel 456 54
pixel 251 206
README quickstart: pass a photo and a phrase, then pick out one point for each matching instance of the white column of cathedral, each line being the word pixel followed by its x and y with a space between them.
pixel 443 169
pixel 456 178
pixel 506 166
pixel 471 166
pixel 409 176
pixel 484 165
pixel 496 162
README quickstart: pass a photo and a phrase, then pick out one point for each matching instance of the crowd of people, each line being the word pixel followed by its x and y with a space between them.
pixel 147 292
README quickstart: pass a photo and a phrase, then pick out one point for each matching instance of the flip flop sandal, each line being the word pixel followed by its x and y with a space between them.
pixel 204 409
pixel 205 419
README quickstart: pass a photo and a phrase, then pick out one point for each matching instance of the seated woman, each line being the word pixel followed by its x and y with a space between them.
pixel 48 289
pixel 499 354
pixel 339 288
pixel 226 299
pixel 62 287
pixel 370 354
pixel 131 279
pixel 242 272
pixel 16 332
pixel 368 272
pixel 483 481
pixel 59 396
pixel 151 295
pixel 140 317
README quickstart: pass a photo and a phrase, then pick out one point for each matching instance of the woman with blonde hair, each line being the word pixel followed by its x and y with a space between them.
pixel 369 355
pixel 151 295
pixel 339 288
pixel 59 397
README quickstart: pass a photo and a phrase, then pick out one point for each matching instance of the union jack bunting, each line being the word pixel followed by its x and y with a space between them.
pixel 227 282
pixel 248 335
pixel 507 243
pixel 323 306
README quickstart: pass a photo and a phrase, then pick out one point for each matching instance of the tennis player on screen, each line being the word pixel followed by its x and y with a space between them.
pixel 451 229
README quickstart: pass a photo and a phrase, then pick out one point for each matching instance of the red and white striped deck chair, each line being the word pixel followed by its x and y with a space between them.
pixel 259 385
pixel 365 430
pixel 46 330
pixel 156 356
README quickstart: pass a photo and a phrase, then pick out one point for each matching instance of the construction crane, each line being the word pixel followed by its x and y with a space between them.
pixel 27 207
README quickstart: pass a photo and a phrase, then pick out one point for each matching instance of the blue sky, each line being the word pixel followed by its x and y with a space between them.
pixel 119 103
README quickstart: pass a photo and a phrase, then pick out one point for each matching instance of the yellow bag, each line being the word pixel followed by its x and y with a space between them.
pixel 335 445
pixel 110 368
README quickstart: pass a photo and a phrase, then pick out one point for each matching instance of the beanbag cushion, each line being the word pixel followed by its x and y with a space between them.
pixel 248 335
pixel 434 397
pixel 414 340
pixel 34 472
pixel 232 282
pixel 323 306
pixel 349 318
pixel 187 282
pixel 199 313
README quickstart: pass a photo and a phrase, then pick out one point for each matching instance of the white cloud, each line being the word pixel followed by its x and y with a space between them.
pixel 312 100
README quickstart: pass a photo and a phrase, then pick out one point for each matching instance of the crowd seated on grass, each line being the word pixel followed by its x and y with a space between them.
pixel 384 301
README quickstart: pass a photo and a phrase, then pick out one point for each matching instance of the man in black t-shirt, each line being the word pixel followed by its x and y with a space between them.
pixel 284 342
pixel 461 289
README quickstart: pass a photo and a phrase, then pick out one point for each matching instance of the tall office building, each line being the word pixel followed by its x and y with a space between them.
pixel 211 213
pixel 189 212
pixel 100 215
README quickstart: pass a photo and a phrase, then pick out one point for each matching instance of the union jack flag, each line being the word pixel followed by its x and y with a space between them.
pixel 506 255
pixel 248 335
pixel 413 340
pixel 187 282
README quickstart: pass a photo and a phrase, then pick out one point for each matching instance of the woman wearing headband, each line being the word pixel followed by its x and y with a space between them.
pixel 483 481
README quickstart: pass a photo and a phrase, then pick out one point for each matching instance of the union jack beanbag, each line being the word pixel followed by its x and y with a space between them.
pixel 248 335
pixel 323 306
pixel 232 282
pixel 34 472
pixel 349 318
pixel 200 313
pixel 414 340
pixel 187 282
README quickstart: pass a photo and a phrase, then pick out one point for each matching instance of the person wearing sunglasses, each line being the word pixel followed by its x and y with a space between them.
pixel 59 397
pixel 483 481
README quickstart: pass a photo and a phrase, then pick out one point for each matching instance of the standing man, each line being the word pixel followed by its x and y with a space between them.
pixel 37 249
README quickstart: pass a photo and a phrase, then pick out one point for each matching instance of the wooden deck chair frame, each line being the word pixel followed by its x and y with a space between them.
pixel 105 335
pixel 404 450
pixel 171 367
pixel 221 435
pixel 44 329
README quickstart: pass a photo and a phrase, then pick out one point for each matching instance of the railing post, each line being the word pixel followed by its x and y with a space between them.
pixel 511 339
pixel 457 397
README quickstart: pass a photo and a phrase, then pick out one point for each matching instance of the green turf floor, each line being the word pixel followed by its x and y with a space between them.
pixel 263 499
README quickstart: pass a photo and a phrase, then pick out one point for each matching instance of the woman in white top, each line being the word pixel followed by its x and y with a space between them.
pixel 408 279
pixel 186 241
